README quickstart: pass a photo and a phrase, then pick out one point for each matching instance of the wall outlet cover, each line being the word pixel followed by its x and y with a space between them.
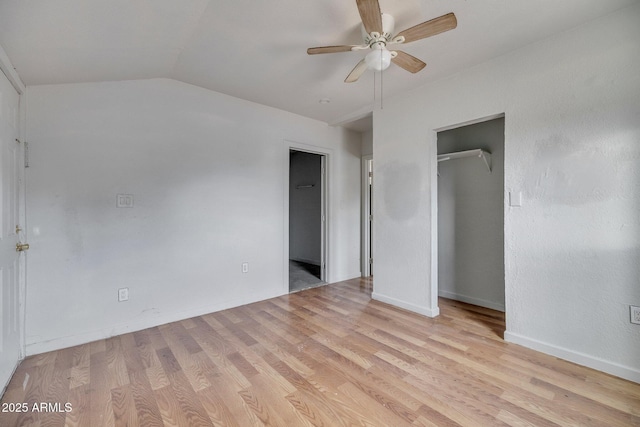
pixel 123 294
pixel 124 200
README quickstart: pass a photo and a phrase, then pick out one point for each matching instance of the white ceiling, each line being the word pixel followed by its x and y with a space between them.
pixel 256 49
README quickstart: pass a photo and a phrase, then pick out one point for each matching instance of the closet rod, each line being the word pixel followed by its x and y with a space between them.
pixel 484 155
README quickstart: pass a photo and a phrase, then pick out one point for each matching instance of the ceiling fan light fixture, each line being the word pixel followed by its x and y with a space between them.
pixel 378 59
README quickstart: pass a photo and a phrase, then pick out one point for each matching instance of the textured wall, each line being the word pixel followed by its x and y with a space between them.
pixel 572 147
pixel 207 172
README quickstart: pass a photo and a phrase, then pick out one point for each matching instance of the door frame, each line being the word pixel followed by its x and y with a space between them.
pixel 326 162
pixel 367 216
pixel 18 116
pixel 435 286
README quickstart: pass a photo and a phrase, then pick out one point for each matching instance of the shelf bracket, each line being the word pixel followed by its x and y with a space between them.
pixel 484 155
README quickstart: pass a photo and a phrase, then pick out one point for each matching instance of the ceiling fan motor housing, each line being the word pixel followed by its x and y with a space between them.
pixel 388 24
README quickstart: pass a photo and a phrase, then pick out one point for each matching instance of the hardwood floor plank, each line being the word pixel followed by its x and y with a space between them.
pixel 328 356
pixel 265 413
pixel 157 377
pixel 124 410
pixel 114 357
pixel 80 400
pixel 187 401
pixel 146 408
pixel 225 392
pixel 218 411
pixel 101 414
pixel 310 412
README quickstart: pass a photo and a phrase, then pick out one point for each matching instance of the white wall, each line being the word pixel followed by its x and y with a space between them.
pixel 471 216
pixel 305 207
pixel 572 147
pixel 207 173
pixel 367 143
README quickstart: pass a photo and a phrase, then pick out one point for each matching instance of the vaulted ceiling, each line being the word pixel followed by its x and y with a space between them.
pixel 256 49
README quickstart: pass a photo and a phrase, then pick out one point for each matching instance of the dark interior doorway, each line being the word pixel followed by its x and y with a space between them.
pixel 306 220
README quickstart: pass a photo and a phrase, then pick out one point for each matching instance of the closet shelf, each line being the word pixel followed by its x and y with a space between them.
pixel 484 155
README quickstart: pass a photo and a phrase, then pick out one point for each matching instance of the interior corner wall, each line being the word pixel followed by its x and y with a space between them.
pixel 572 148
pixel 471 216
pixel 207 176
pixel 367 143
pixel 305 207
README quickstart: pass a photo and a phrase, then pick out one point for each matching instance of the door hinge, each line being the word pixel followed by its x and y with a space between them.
pixel 371 261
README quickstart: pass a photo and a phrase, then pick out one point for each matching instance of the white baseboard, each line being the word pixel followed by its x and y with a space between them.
pixel 471 300
pixel 4 382
pixel 138 325
pixel 612 368
pixel 345 277
pixel 406 305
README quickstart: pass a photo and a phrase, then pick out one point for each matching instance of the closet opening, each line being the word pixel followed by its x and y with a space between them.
pixel 307 219
pixel 470 212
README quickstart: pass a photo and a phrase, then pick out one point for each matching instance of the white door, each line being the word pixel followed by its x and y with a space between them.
pixel 11 263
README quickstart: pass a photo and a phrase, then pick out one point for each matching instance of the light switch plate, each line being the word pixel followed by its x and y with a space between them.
pixel 635 315
pixel 515 199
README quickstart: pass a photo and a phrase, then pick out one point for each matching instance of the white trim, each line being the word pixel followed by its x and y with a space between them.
pixel 406 305
pixel 471 300
pixel 326 207
pixel 435 286
pixel 433 194
pixel 3 387
pixel 367 237
pixel 602 365
pixel 470 122
pixel 150 322
pixel 9 71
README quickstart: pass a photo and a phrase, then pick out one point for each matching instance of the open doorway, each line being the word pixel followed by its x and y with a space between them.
pixel 306 220
pixel 367 216
pixel 471 214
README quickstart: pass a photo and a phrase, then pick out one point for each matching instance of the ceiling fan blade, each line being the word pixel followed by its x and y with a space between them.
pixel 329 49
pixel 430 28
pixel 370 15
pixel 408 62
pixel 357 71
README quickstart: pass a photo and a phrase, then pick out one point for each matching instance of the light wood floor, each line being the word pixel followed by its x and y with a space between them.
pixel 328 356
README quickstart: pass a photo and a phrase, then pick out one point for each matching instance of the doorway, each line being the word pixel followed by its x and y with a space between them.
pixel 12 262
pixel 470 212
pixel 367 216
pixel 307 220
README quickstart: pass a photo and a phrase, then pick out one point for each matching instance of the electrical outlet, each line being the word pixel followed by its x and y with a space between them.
pixel 123 294
pixel 635 314
pixel 245 267
pixel 124 200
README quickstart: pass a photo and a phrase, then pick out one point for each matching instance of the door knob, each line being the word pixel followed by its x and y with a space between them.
pixel 20 247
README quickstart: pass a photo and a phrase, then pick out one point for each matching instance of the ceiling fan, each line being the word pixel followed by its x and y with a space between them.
pixel 377 31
